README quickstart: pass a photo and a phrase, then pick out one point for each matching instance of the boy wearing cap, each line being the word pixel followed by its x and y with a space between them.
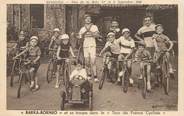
pixel 22 42
pixel 111 49
pixel 34 54
pixel 144 55
pixel 63 52
pixel 160 42
pixel 127 45
pixel 54 39
pixel 88 33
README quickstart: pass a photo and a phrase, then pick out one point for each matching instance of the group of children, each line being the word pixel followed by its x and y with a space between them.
pixel 120 48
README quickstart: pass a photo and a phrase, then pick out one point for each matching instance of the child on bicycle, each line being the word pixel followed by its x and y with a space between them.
pixel 144 56
pixel 127 46
pixel 111 49
pixel 53 45
pixel 63 52
pixel 161 42
pixel 34 54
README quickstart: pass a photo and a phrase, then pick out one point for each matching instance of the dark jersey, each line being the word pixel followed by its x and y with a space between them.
pixel 64 51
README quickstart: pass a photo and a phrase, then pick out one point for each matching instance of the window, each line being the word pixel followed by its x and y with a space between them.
pixel 37 15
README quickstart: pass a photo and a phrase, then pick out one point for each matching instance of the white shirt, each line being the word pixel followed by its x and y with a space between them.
pixel 89 41
pixel 81 73
pixel 126 45
pixel 147 32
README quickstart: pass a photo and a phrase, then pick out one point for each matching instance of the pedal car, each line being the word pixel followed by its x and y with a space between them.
pixel 79 91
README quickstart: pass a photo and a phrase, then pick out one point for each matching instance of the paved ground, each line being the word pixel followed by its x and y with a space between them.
pixel 111 97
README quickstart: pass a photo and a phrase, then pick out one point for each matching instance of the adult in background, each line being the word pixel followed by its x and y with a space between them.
pixel 115 28
pixel 146 32
pixel 88 34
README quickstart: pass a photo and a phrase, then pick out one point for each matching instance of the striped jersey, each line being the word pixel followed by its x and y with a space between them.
pixel 126 45
pixel 146 32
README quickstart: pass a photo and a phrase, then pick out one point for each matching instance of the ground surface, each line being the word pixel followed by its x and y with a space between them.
pixel 111 97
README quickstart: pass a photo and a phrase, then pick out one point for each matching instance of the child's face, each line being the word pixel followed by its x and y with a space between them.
pixel 159 30
pixel 140 47
pixel 33 42
pixel 21 37
pixel 56 33
pixel 126 34
pixel 111 38
pixel 65 41
pixel 79 67
pixel 88 20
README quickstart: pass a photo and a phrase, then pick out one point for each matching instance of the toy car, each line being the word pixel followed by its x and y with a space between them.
pixel 79 91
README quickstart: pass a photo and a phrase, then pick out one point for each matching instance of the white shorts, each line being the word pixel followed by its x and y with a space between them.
pixel 90 51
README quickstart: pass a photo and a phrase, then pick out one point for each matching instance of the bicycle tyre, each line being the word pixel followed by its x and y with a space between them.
pixel 126 81
pixel 50 72
pixel 66 78
pixel 104 76
pixel 144 83
pixel 165 77
pixel 20 85
pixel 12 74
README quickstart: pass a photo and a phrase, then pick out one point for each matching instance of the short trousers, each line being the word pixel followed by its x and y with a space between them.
pixel 123 55
pixel 90 52
pixel 60 62
pixel 151 50
pixel 35 66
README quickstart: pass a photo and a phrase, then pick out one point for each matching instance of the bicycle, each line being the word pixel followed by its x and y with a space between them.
pixel 125 77
pixel 106 72
pixel 66 70
pixel 51 69
pixel 15 67
pixel 144 76
pixel 23 73
pixel 163 75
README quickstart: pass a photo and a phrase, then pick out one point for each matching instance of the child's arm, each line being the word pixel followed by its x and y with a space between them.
pixel 58 52
pixel 155 44
pixel 104 49
pixel 38 55
pixel 170 43
pixel 50 44
pixel 71 51
pixel 20 54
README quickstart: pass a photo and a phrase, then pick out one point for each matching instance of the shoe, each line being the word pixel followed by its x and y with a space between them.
pixel 131 81
pixel 96 80
pixel 171 71
pixel 32 85
pixel 57 85
pixel 120 74
pixel 158 67
pixel 37 87
pixel 148 86
pixel 140 77
pixel 89 78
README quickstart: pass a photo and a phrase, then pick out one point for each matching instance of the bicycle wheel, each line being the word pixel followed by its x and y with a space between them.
pixel 66 77
pixel 165 77
pixel 50 72
pixel 104 76
pixel 125 81
pixel 20 85
pixel 12 73
pixel 144 84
